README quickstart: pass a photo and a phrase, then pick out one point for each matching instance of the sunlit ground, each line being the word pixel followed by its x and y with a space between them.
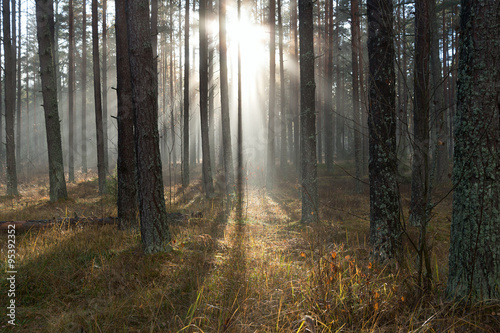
pixel 264 275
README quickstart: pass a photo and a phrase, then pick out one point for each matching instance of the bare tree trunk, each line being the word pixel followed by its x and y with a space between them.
pixel 46 41
pixel 126 164
pixel 71 95
pixel 309 178
pixel 207 165
pixel 385 229
pixel 105 85
pixel 154 224
pixel 101 166
pixel 185 160
pixel 329 137
pixel 294 86
pixel 2 155
pixel 18 77
pixel 272 93
pixel 358 159
pixel 84 87
pixel 283 108
pixel 10 88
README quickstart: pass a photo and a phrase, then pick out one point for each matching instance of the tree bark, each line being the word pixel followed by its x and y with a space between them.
pixel 71 95
pixel 207 165
pixel 154 224
pixel 309 178
pixel 385 228
pixel 45 32
pixel 126 164
pixel 185 159
pixel 474 265
pixel 101 166
pixel 10 88
pixel 84 87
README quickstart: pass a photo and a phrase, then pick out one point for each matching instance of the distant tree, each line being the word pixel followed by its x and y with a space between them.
pixel 154 224
pixel 71 94
pixel 185 156
pixel 205 144
pixel 46 41
pixel 309 173
pixel 294 87
pixel 329 137
pixel 10 88
pixel 224 93
pixel 126 164
pixel 385 227
pixel 474 262
pixel 272 97
pixel 101 165
pixel 84 87
pixel 355 49
pixel 17 46
pixel 283 115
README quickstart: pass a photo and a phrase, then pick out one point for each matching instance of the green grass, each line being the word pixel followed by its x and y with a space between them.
pixel 270 274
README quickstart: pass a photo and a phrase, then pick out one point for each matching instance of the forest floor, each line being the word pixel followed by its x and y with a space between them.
pixel 268 274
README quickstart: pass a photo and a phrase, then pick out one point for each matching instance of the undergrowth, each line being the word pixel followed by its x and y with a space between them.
pixel 268 274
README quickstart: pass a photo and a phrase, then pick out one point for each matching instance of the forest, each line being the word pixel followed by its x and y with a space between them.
pixel 250 166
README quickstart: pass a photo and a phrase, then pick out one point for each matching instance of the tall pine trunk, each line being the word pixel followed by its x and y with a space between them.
pixel 385 228
pixel 309 177
pixel 71 95
pixel 474 265
pixel 105 85
pixel 185 156
pixel 358 157
pixel 46 41
pixel 272 97
pixel 84 87
pixel 101 165
pixel 283 108
pixel 155 232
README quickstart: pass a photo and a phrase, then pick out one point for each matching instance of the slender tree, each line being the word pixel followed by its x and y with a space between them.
pixel 272 96
pixel 154 224
pixel 17 46
pixel 84 87
pixel 71 95
pixel 358 158
pixel 309 177
pixel 46 41
pixel 474 265
pixel 101 166
pixel 224 93
pixel 10 88
pixel 105 84
pixel 185 159
pixel 126 164
pixel 329 137
pixel 294 86
pixel 384 197
pixel 205 144
pixel 283 152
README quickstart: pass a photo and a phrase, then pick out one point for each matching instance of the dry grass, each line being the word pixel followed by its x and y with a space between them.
pixel 270 274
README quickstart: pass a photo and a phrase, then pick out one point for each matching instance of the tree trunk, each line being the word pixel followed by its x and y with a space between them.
pixel 101 166
pixel 45 32
pixel 71 95
pixel 10 88
pixel 420 173
pixel 207 165
pixel 272 95
pixel 385 228
pixel 224 95
pixel 84 87
pixel 154 225
pixel 105 86
pixel 294 86
pixel 18 77
pixel 329 137
pixel 185 160
pixel 358 158
pixel 474 265
pixel 126 164
pixel 309 178
pixel 2 155
pixel 283 152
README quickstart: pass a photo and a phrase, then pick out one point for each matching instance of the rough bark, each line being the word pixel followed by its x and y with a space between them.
pixel 45 32
pixel 309 178
pixel 71 95
pixel 420 165
pixel 101 166
pixel 10 88
pixel 271 155
pixel 185 159
pixel 384 197
pixel 154 225
pixel 474 262
pixel 205 144
pixel 126 164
